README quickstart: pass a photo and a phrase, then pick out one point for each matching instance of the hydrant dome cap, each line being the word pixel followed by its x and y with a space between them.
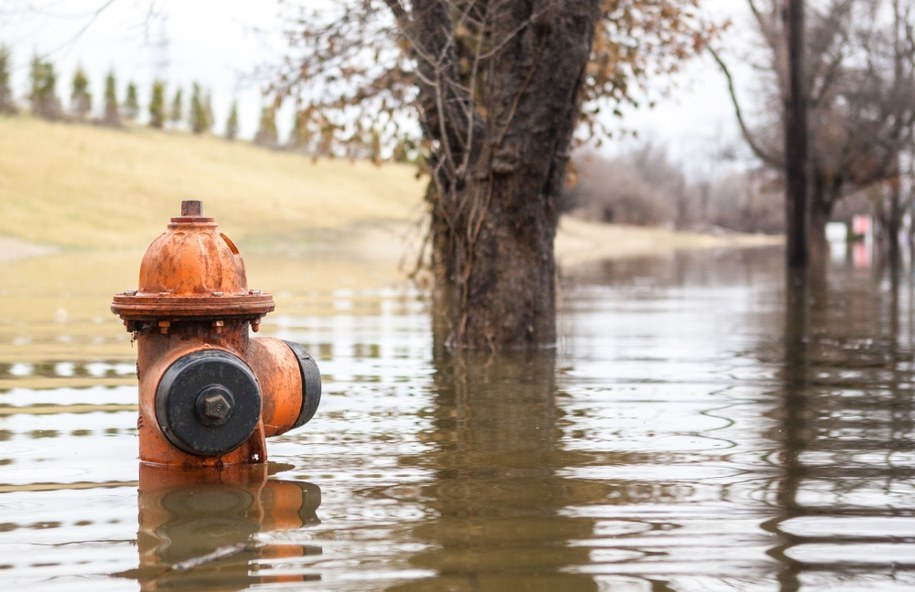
pixel 192 259
pixel 192 271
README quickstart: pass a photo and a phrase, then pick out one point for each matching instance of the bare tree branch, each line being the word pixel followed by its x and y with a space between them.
pixel 767 157
pixel 69 42
pixel 397 9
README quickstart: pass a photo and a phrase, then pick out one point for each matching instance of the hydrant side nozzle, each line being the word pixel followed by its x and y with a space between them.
pixel 290 381
pixel 208 402
pixel 311 383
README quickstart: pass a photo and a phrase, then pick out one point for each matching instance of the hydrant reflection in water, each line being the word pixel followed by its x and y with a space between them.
pixel 209 394
pixel 205 530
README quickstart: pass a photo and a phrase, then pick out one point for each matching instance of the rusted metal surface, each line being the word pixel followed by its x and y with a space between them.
pixel 191 271
pixel 192 208
pixel 156 354
pixel 193 297
pixel 284 383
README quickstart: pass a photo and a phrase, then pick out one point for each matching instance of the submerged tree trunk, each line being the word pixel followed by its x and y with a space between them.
pixel 894 224
pixel 499 164
pixel 796 208
pixel 821 202
pixel 818 254
pixel 505 290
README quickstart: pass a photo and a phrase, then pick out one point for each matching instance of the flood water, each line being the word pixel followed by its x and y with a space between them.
pixel 693 431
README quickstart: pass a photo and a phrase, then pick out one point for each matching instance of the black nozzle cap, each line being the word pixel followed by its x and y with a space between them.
pixel 208 403
pixel 311 383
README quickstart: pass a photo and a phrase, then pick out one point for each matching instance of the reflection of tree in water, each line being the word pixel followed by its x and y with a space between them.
pixel 704 268
pixel 495 491
pixel 504 508
pixel 843 413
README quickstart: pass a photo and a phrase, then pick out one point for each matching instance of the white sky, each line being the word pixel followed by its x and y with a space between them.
pixel 216 42
pixel 220 43
pixel 696 120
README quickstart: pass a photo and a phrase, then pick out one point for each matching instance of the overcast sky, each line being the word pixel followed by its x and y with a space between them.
pixel 222 43
pixel 219 43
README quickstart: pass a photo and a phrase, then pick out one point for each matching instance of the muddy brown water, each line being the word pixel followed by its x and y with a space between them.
pixel 693 431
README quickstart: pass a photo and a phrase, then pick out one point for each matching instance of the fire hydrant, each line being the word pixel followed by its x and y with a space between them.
pixel 209 393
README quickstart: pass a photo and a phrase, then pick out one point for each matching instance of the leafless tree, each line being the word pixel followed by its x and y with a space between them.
pixel 860 60
pixel 613 190
pixel 500 87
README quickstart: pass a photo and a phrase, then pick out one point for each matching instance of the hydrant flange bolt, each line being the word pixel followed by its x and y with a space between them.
pixel 208 402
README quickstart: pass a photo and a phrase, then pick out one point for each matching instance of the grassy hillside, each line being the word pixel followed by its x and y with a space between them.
pixel 84 187
pixel 78 186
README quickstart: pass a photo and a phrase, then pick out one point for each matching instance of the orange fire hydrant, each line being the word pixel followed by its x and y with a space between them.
pixel 209 393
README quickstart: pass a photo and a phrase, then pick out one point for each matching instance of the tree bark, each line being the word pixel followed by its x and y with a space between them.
pixel 500 166
pixel 796 208
pixel 822 198
pixel 893 223
pixel 818 251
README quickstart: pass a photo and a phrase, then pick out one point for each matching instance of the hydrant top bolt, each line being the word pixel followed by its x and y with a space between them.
pixel 191 208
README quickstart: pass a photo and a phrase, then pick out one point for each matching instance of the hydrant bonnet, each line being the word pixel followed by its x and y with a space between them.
pixel 191 271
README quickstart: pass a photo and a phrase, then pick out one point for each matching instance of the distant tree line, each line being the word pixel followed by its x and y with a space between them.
pixel 195 114
pixel 7 104
pixel 645 187
pixel 45 103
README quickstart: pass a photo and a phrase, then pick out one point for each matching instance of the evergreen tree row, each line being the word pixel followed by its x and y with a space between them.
pixel 45 103
pixel 114 112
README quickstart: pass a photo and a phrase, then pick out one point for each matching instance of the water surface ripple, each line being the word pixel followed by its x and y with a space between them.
pixel 700 427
